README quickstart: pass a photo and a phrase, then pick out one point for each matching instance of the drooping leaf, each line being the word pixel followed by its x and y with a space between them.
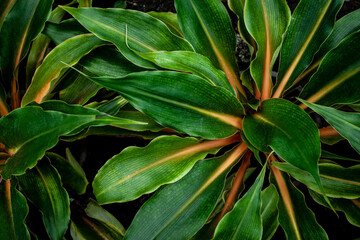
pixel 269 212
pixel 121 27
pixel 111 107
pixel 15 41
pixel 107 61
pixel 42 186
pixel 60 32
pixel 190 62
pixel 329 155
pixel 337 181
pixel 70 171
pixel 181 101
pixel 310 25
pixel 5 7
pixel 266 21
pixel 13 211
pixel 337 81
pixel 297 220
pixel 346 123
pixel 136 171
pixel 179 210
pixel 207 26
pixel 244 220
pixel 171 21
pixel 29 131
pixel 351 207
pixel 289 131
pixel 68 52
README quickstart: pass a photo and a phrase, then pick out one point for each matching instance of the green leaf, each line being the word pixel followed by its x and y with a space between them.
pixel 68 52
pixel 107 61
pixel 244 220
pixel 179 210
pixel 329 155
pixel 29 18
pixel 351 207
pixel 346 123
pixel 190 62
pixel 310 25
pixel 266 21
pixel 4 109
pixel 136 171
pixel 85 3
pixel 29 131
pixel 5 7
pixel 269 211
pixel 13 211
pixel 95 211
pixel 137 116
pixel 111 107
pixel 183 102
pixel 60 32
pixel 42 186
pixel 121 27
pixel 237 6
pixel 171 21
pixel 297 220
pixel 337 181
pixel 337 81
pixel 289 131
pixel 70 171
pixel 207 26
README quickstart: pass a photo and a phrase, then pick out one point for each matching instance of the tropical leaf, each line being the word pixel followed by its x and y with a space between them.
pixel 13 211
pixel 337 181
pixel 207 26
pixel 121 27
pixel 329 155
pixel 183 207
pixel 171 21
pixel 60 32
pixel 68 52
pixel 269 211
pixel 266 21
pixel 42 186
pixel 136 171
pixel 310 25
pixel 5 7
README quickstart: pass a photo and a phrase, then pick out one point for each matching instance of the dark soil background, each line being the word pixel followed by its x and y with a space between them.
pixel 94 151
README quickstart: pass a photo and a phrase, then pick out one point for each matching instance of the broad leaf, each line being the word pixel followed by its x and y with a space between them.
pixel 42 186
pixel 337 81
pixel 5 7
pixel 68 52
pixel 207 26
pixel 171 21
pixel 289 131
pixel 136 171
pixel 310 25
pixel 60 32
pixel 121 27
pixel 179 210
pixel 269 212
pixel 183 102
pixel 244 220
pixel 29 131
pixel 329 155
pixel 351 207
pixel 13 210
pixel 337 181
pixel 111 107
pixel 297 220
pixel 266 21
pixel 70 171
pixel 15 41
pixel 346 123
pixel 190 62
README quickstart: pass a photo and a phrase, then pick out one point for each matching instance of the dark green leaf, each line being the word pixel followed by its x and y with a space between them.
pixel 5 7
pixel 329 155
pixel 269 212
pixel 59 32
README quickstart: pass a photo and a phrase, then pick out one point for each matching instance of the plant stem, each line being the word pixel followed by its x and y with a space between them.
pixel 328 131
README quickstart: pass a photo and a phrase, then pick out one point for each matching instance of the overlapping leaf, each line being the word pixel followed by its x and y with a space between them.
pixel 269 211
pixel 171 21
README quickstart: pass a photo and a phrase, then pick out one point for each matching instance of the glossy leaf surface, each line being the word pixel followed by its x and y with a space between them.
pixel 289 131
pixel 183 102
pixel 269 211
pixel 36 131
pixel 336 180
pixel 183 207
pixel 346 123
pixel 42 186
pixel 121 27
pixel 68 52
pixel 136 171
pixel 60 32
pixel 13 211
pixel 337 81
pixel 171 21
pixel 310 25
pixel 244 220
pixel 297 220
pixel 266 21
